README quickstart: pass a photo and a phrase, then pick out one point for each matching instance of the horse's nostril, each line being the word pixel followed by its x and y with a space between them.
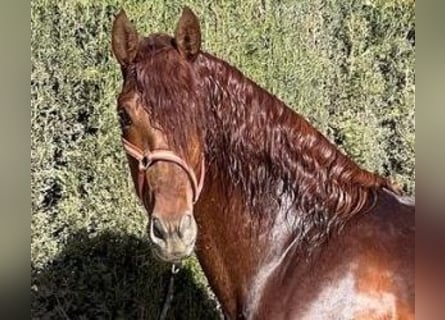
pixel 158 229
pixel 186 221
pixel 187 229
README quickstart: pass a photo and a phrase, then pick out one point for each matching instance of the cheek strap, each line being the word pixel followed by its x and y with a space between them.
pixel 146 158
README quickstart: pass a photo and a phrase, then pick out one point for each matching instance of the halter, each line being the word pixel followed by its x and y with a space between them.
pixel 147 158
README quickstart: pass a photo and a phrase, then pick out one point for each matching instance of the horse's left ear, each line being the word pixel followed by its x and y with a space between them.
pixel 188 34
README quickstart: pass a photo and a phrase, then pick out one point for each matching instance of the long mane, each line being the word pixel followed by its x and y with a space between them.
pixel 263 147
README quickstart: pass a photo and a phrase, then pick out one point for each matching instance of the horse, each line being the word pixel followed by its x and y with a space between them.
pixel 284 224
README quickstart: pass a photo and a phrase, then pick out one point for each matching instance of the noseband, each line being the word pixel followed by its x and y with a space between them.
pixel 147 158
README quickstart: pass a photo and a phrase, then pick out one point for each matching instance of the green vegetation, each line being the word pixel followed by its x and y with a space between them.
pixel 348 66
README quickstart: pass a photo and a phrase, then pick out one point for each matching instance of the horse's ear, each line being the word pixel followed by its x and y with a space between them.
pixel 188 34
pixel 124 39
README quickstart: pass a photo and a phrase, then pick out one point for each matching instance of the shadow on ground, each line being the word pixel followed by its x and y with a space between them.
pixel 114 277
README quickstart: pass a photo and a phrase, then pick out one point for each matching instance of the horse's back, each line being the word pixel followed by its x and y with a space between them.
pixel 364 272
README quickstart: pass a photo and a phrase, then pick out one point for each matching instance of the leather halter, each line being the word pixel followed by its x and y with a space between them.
pixel 147 158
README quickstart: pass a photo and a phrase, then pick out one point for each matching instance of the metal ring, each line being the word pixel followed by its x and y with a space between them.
pixel 175 268
pixel 144 163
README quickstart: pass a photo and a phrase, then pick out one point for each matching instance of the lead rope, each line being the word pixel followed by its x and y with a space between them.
pixel 169 297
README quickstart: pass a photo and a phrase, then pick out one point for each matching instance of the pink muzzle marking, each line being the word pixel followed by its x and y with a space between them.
pixel 147 158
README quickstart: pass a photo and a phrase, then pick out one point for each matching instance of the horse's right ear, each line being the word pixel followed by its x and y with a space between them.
pixel 124 39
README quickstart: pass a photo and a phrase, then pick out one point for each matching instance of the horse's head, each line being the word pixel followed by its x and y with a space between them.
pixel 158 109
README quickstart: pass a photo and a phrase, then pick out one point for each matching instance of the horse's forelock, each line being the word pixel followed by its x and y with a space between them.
pixel 168 89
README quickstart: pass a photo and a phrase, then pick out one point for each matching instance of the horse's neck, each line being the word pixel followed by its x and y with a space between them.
pixel 267 165
pixel 244 165
pixel 244 231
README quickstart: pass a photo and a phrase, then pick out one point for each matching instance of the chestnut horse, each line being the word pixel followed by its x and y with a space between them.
pixel 284 225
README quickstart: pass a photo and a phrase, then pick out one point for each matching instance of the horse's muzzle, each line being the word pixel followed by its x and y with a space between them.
pixel 173 240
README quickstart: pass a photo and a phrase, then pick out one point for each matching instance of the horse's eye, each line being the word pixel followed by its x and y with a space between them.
pixel 124 119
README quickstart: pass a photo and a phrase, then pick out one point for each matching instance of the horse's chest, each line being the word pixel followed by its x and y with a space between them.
pixel 339 299
pixel 342 300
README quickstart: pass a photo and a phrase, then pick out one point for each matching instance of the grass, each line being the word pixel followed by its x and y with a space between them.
pixel 348 66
